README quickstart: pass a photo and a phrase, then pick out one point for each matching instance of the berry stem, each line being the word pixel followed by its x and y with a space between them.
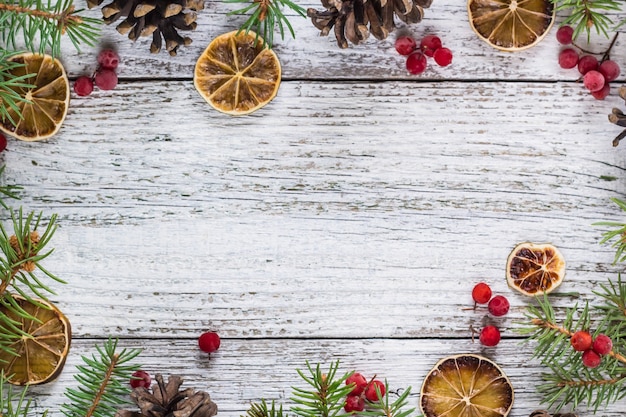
pixel 605 55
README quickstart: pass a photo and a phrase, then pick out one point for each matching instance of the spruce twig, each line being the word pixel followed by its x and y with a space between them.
pixel 328 393
pixel 7 191
pixel 13 403
pixel 266 16
pixel 103 382
pixel 617 234
pixel 41 24
pixel 585 15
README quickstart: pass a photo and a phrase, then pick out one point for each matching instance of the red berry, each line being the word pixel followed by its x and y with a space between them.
pixel 565 35
pixel 106 79
pixel 443 57
pixel 602 94
pixel 481 293
pixel 3 142
pixel 429 44
pixel 140 379
pixel 490 336
pixel 370 391
pixel 591 359
pixel 108 59
pixel 498 306
pixel 593 81
pixel 581 341
pixel 405 45
pixel 354 403
pixel 209 342
pixel 416 63
pixel 359 383
pixel 587 63
pixel 610 70
pixel 83 86
pixel 568 58
pixel 602 345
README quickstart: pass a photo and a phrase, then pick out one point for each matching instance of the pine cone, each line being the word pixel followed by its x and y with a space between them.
pixel 167 400
pixel 160 18
pixel 351 18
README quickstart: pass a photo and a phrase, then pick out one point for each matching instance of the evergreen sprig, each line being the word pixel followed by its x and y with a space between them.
pixel 569 381
pixel 265 16
pixel 40 24
pixel 9 84
pixel 384 407
pixel 7 190
pixel 103 382
pixel 263 410
pixel 585 15
pixel 617 234
pixel 13 402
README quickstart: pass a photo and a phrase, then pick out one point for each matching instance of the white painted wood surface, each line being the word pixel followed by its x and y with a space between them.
pixel 348 219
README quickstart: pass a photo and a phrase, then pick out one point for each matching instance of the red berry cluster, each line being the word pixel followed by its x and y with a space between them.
pixel 105 77
pixel 592 349
pixel 363 391
pixel 430 46
pixel 498 306
pixel 596 75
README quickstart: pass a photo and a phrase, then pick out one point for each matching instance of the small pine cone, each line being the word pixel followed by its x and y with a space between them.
pixel 160 18
pixel 354 20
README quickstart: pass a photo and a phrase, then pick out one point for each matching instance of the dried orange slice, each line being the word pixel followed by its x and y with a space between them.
pixel 41 355
pixel 236 74
pixel 535 269
pixel 48 101
pixel 511 25
pixel 466 386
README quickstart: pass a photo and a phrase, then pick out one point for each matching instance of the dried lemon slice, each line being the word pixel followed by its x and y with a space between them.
pixel 466 386
pixel 47 102
pixel 236 74
pixel 41 355
pixel 535 269
pixel 511 25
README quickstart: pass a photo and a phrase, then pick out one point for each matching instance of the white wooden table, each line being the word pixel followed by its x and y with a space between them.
pixel 348 219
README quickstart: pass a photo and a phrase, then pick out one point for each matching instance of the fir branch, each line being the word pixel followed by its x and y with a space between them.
pixel 262 410
pixel 383 408
pixel 265 16
pixel 12 403
pixel 10 83
pixel 103 382
pixel 327 397
pixel 8 191
pixel 618 232
pixel 40 25
pixel 587 14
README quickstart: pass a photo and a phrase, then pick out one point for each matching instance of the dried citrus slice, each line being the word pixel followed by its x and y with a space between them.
pixel 535 269
pixel 47 101
pixel 41 355
pixel 236 74
pixel 466 386
pixel 511 25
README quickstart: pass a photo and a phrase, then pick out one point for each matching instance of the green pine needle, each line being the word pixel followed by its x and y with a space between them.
pixel 266 16
pixel 262 410
pixel 13 403
pixel 585 15
pixel 617 234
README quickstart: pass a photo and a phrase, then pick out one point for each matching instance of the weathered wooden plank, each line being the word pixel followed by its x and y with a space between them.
pixel 244 371
pixel 334 204
pixel 310 56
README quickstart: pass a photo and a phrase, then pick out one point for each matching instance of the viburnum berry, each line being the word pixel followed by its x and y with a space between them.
pixel 3 142
pixel 354 403
pixel 416 63
pixel 587 63
pixel 603 93
pixel 481 293
pixel 83 86
pixel 106 79
pixel 429 44
pixel 602 345
pixel 593 81
pixel 568 58
pixel 140 379
pixel 565 35
pixel 490 336
pixel 405 45
pixel 108 59
pixel 371 390
pixel 359 382
pixel 591 359
pixel 581 341
pixel 498 305
pixel 610 70
pixel 209 342
pixel 443 57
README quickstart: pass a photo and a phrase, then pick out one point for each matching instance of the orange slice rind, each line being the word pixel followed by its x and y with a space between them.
pixel 535 269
